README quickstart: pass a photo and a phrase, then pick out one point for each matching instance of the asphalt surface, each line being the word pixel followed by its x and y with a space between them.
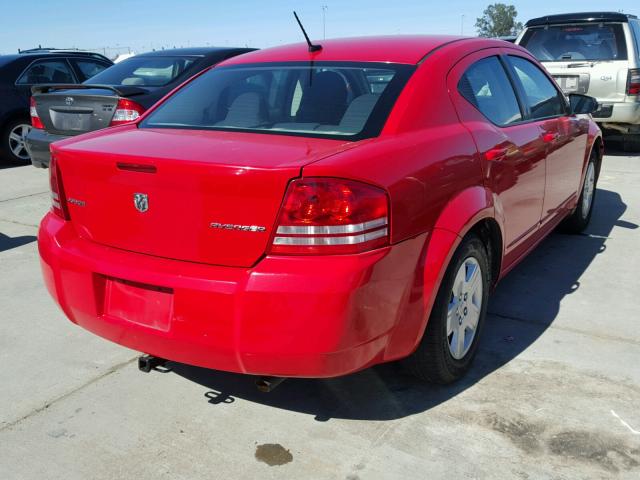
pixel 554 393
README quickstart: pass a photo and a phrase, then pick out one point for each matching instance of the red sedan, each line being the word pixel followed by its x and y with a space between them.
pixel 304 213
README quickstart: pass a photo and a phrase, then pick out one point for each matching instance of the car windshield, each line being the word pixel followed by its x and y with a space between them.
pixel 144 71
pixel 561 43
pixel 322 99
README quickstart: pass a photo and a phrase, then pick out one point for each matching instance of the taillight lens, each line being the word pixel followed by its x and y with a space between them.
pixel 331 216
pixel 58 200
pixel 633 84
pixel 126 111
pixel 33 111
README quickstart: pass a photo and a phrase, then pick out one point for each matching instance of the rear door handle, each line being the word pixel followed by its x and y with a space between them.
pixel 499 153
pixel 496 154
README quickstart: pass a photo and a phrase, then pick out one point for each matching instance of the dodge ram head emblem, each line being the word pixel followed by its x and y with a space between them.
pixel 68 101
pixel 141 201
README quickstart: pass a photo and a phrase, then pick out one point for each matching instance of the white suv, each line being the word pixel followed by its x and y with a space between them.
pixel 596 54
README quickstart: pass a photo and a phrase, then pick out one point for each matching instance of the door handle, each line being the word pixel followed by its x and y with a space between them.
pixel 496 154
pixel 499 153
pixel 550 137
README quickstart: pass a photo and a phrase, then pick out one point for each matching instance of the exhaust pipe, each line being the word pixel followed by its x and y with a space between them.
pixel 146 363
pixel 268 384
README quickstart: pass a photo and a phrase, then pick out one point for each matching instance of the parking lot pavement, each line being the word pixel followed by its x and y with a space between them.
pixel 554 393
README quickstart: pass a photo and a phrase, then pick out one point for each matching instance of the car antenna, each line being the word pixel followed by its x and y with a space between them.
pixel 312 47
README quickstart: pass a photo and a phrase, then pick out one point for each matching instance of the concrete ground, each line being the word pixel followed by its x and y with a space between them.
pixel 554 393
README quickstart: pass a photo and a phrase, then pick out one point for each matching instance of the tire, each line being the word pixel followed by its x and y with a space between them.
pixel 631 142
pixel 439 357
pixel 12 147
pixel 579 219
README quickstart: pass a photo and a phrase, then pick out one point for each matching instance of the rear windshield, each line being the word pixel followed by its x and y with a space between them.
pixel 320 99
pixel 562 43
pixel 143 71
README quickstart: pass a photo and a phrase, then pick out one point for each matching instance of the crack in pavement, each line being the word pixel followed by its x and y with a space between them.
pixel 24 196
pixel 598 336
pixel 48 403
pixel 6 220
pixel 622 171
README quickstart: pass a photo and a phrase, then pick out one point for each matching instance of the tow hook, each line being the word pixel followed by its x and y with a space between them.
pixel 146 363
pixel 268 384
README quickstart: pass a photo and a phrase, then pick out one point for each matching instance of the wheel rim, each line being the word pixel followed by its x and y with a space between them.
pixel 588 189
pixel 465 305
pixel 17 138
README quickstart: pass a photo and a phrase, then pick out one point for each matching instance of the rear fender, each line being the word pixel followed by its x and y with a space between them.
pixel 458 217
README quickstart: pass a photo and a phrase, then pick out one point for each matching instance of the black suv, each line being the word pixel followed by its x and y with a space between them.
pixel 19 72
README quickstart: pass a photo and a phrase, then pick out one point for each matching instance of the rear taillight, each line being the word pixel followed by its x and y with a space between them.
pixel 33 111
pixel 126 111
pixel 331 216
pixel 633 83
pixel 58 201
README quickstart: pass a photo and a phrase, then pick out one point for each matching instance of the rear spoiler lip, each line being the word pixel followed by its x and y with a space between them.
pixel 122 91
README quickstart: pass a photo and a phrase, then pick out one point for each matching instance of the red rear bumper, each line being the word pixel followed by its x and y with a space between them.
pixel 287 316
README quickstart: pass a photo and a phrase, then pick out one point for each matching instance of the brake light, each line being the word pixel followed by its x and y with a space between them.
pixel 633 83
pixel 58 200
pixel 331 216
pixel 33 111
pixel 126 111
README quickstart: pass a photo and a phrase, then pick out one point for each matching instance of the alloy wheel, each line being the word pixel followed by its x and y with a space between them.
pixel 465 305
pixel 17 138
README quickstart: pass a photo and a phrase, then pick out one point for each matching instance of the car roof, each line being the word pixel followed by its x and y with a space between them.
pixel 31 56
pixel 408 49
pixel 193 51
pixel 579 17
pixel 38 54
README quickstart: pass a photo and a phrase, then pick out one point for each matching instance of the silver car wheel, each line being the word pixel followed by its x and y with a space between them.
pixel 17 138
pixel 588 189
pixel 464 309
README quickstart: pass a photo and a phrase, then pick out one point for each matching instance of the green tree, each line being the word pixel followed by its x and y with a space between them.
pixel 498 20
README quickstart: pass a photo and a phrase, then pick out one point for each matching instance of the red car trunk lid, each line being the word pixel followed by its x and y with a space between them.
pixel 200 196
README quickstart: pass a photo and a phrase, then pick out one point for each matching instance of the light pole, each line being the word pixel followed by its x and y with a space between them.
pixel 462 24
pixel 324 21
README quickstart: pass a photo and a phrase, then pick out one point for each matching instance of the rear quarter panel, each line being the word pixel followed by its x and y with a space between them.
pixel 428 163
pixel 424 157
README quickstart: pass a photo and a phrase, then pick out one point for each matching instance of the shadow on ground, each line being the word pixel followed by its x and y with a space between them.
pixel 530 295
pixel 7 243
pixel 614 146
pixel 5 164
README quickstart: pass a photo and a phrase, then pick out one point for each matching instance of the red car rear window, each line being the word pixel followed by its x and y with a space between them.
pixel 324 99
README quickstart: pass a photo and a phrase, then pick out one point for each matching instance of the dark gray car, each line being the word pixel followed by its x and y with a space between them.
pixel 117 95
pixel 20 72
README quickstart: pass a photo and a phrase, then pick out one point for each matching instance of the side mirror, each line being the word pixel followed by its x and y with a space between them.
pixel 582 104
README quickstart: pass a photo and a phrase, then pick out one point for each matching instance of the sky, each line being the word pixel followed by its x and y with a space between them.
pixel 116 26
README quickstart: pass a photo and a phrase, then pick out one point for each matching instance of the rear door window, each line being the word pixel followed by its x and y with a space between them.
pixel 46 71
pixel 89 68
pixel 486 85
pixel 565 43
pixel 542 98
